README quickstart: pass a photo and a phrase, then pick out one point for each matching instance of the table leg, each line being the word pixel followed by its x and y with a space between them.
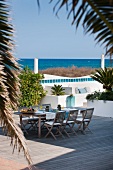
pixel 39 127
pixel 21 121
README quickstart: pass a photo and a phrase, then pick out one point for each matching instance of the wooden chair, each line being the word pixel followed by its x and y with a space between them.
pixel 56 123
pixel 27 120
pixel 70 122
pixel 85 120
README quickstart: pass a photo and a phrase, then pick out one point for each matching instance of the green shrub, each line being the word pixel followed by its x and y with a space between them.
pixel 93 96
pixel 31 89
pixel 68 72
pixel 106 96
pixel 100 96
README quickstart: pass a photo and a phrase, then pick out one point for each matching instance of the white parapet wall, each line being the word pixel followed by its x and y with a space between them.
pixel 79 100
pixel 101 108
pixel 54 100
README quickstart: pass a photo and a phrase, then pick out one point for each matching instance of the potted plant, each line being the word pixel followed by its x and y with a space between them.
pixel 102 101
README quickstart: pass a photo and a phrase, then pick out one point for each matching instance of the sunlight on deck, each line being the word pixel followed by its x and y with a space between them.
pixel 48 151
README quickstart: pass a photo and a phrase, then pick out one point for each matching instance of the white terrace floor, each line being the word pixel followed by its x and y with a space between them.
pixel 81 152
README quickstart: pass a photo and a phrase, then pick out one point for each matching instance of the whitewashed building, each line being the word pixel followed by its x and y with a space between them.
pixel 76 90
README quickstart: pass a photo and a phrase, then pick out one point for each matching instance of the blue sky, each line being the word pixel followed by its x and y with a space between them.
pixel 40 34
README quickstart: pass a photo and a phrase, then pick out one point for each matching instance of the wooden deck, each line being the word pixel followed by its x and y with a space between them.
pixel 81 152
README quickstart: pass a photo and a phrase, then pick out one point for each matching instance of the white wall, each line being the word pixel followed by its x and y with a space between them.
pixel 48 89
pixel 102 108
pixel 70 87
pixel 54 100
pixel 94 85
pixel 80 99
pixel 68 90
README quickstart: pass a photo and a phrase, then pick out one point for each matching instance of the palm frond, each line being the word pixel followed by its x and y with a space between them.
pixel 96 17
pixel 105 77
pixel 9 82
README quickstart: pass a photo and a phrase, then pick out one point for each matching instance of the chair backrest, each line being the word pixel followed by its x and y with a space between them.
pixel 89 113
pixel 72 115
pixel 43 106
pixel 60 116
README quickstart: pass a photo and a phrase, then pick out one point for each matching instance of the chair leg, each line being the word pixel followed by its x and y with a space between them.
pixel 23 128
pixel 80 126
pixel 85 126
pixel 59 131
pixel 33 125
pixel 71 128
pixel 50 132
pixel 65 132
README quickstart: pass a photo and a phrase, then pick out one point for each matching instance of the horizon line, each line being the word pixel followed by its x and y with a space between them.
pixel 66 58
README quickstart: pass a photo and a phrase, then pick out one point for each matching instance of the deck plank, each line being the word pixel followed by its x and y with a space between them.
pixel 81 152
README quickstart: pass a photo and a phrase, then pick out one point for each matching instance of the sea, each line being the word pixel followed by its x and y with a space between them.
pixel 44 64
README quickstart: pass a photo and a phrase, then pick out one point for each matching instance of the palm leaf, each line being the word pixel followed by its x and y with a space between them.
pixel 104 77
pixel 96 17
pixel 57 90
pixel 9 83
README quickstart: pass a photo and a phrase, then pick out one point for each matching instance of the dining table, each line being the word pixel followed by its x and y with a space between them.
pixel 41 114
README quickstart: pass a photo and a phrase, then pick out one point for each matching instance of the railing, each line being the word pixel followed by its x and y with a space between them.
pixel 66 80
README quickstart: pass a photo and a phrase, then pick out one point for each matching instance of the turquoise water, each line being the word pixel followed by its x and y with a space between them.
pixel 53 63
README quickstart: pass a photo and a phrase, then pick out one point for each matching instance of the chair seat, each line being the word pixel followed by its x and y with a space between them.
pixel 64 121
pixel 29 118
pixel 81 119
pixel 69 121
pixel 51 123
pixel 86 120
pixel 35 117
pixel 25 118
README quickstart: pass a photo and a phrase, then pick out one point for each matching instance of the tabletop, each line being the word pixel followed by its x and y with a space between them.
pixel 49 115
